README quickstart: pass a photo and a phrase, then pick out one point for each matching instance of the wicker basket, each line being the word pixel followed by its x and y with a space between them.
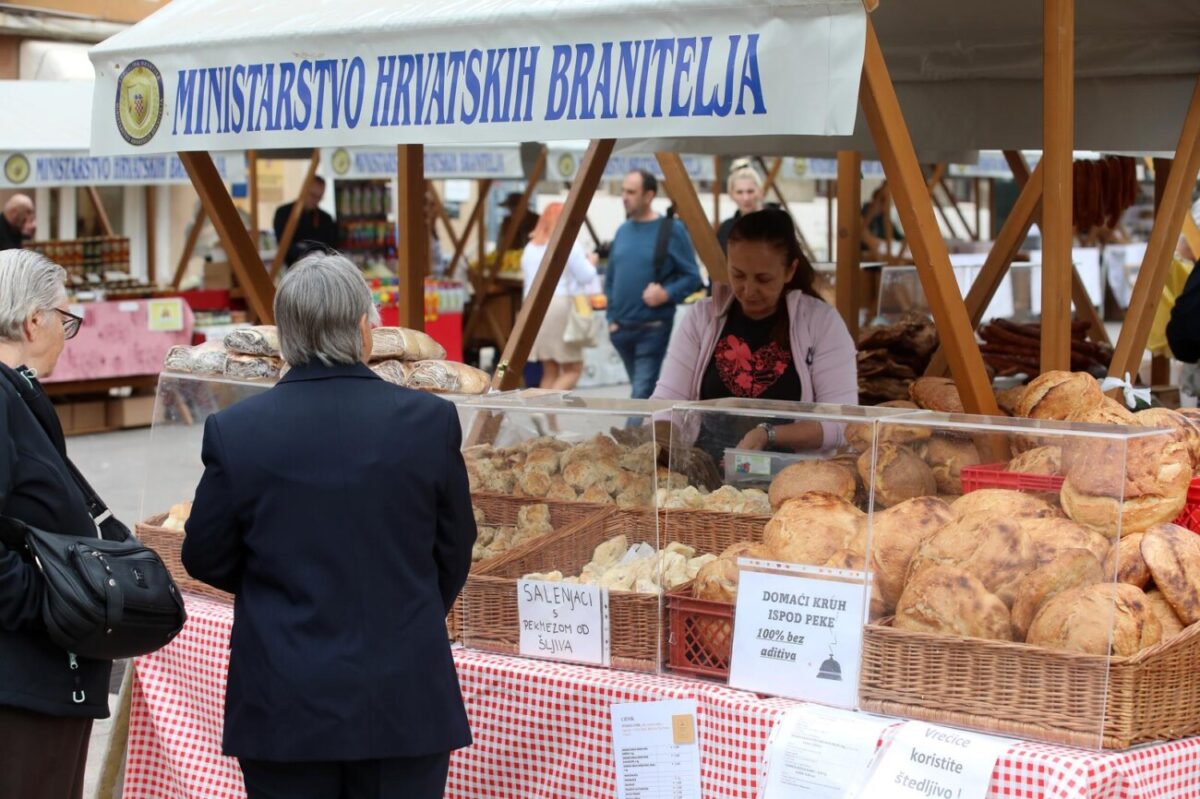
pixel 169 544
pixel 1035 693
pixel 636 621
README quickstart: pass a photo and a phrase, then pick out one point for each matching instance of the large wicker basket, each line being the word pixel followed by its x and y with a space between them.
pixel 169 544
pixel 636 621
pixel 1035 693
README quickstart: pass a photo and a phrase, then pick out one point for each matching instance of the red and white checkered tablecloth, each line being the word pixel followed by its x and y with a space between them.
pixel 542 731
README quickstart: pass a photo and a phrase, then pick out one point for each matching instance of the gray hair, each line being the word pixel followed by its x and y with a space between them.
pixel 29 282
pixel 317 309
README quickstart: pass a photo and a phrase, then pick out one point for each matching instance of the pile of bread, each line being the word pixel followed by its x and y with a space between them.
pixel 726 499
pixel 891 356
pixel 642 569
pixel 598 470
pixel 178 516
pixel 405 357
pixel 533 521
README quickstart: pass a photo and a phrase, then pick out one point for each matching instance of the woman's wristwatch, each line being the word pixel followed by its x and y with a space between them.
pixel 769 429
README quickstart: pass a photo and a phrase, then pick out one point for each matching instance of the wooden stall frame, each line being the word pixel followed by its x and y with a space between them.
pixel 687 205
pixel 413 246
pixel 101 215
pixel 849 238
pixel 1058 138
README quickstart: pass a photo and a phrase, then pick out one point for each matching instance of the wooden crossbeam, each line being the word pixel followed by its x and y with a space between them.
pixel 533 310
pixel 958 209
pixel 293 221
pixel 849 238
pixel 151 234
pixel 687 205
pixel 772 172
pixel 413 246
pixel 252 190
pixel 1168 222
pixel 894 143
pixel 1192 233
pixel 460 243
pixel 189 246
pixel 1058 140
pixel 101 215
pixel 716 192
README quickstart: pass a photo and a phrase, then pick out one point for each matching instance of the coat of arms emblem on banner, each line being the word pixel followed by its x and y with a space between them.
pixel 139 102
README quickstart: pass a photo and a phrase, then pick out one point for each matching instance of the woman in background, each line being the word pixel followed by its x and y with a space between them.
pixel 745 188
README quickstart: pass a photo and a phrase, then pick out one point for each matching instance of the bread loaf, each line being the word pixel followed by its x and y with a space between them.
pixel 946 458
pixel 950 601
pixel 995 550
pixel 1161 608
pixel 936 394
pixel 1045 460
pixel 896 534
pixel 252 367
pixel 1097 619
pixel 1003 503
pixel 899 475
pixel 394 372
pixel 259 340
pixel 1124 559
pixel 448 377
pixel 1071 569
pixel 402 344
pixel 860 435
pixel 1058 395
pixel 1183 429
pixel 1052 537
pixel 824 476
pixel 1173 555
pixel 810 528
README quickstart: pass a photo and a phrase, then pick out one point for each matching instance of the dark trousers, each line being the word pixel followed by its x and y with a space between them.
pixel 395 778
pixel 42 757
pixel 642 347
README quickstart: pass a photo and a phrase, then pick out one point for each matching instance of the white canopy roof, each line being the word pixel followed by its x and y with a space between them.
pixel 214 74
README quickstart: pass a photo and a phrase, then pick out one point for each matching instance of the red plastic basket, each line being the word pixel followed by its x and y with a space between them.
pixel 701 640
pixel 992 475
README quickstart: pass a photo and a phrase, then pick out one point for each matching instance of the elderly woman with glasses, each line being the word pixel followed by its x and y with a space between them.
pixel 48 696
pixel 335 507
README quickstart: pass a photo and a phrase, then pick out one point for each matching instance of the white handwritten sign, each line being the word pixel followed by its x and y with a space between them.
pixel 799 636
pixel 925 761
pixel 562 621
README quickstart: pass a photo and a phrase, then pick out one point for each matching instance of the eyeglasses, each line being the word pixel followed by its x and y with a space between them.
pixel 70 322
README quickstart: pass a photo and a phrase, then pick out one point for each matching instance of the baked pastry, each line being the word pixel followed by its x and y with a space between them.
pixel 1124 559
pixel 596 494
pixel 1157 473
pixel 544 459
pixel 860 435
pixel 560 492
pixel 257 340
pixel 178 516
pixel 811 527
pixel 1058 395
pixel 1171 624
pixel 1173 555
pixel 643 459
pixel 849 560
pixel 1051 537
pixel 394 372
pixel 936 394
pixel 1072 568
pixel 995 550
pixel 448 377
pixel 899 475
pixel 946 457
pixel 402 344
pixel 717 580
pixel 1097 619
pixel 949 601
pixel 1109 411
pixel 896 534
pixel 1008 399
pixel 1184 430
pixel 534 482
pixel 825 476
pixel 1039 460
pixel 1004 503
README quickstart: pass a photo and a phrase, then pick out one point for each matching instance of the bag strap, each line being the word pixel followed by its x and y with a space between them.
pixel 665 227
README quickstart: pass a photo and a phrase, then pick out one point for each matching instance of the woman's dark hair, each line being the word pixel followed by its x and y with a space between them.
pixel 775 228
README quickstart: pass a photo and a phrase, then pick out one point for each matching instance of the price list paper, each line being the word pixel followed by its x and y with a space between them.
pixel 656 748
pixel 819 752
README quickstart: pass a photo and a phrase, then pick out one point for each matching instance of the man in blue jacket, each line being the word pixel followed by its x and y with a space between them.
pixel 651 269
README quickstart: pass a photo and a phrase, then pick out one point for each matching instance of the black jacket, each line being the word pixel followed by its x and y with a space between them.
pixel 36 487
pixel 1183 329
pixel 335 507
pixel 10 237
pixel 315 229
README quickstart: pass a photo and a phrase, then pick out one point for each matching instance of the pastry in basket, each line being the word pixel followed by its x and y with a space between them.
pixel 896 534
pixel 949 601
pixel 1045 460
pixel 718 579
pixel 643 459
pixel 1173 555
pixel 1184 429
pixel 830 477
pixel 947 457
pixel 559 491
pixel 1124 559
pixel 1097 619
pixel 1152 477
pixel 811 527
pixel 533 482
pixel 1003 503
pixel 936 394
pixel 1071 569
pixel 995 550
pixel 1058 395
pixel 1053 536
pixel 899 475
pixel 1170 621
pixel 178 516
pixel 860 435
pixel 597 495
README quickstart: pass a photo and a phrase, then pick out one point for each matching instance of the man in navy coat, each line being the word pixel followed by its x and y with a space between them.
pixel 335 507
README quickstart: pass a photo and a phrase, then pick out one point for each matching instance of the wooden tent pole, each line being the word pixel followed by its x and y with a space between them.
pixel 849 238
pixel 189 246
pixel 1058 139
pixel 991 193
pixel 716 192
pixel 687 205
pixel 971 232
pixel 772 172
pixel 894 143
pixel 977 195
pixel 101 215
pixel 533 310
pixel 1192 233
pixel 151 234
pixel 829 197
pixel 1168 222
pixel 413 247
pixel 252 190
pixel 460 243
pixel 293 222
pixel 243 254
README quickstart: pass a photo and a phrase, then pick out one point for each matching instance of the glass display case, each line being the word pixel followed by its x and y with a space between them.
pixel 569 563
pixel 1018 297
pixel 1032 579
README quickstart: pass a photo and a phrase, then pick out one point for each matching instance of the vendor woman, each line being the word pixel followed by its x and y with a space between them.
pixel 767 335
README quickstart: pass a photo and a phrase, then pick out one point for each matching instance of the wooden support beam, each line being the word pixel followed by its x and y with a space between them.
pixel 533 310
pixel 439 209
pixel 977 196
pixel 189 246
pixel 849 237
pixel 894 143
pixel 460 244
pixel 591 230
pixel 1192 233
pixel 1018 165
pixel 829 197
pixel 958 209
pixel 413 246
pixel 1058 140
pixel 101 215
pixel 293 222
pixel 151 234
pixel 687 205
pixel 1168 222
pixel 716 192
pixel 252 191
pixel 992 229
pixel 241 251
pixel 772 172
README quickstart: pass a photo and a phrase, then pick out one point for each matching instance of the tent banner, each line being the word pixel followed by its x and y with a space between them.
pixel 32 169
pixel 823 169
pixel 770 69
pixel 442 163
pixel 564 164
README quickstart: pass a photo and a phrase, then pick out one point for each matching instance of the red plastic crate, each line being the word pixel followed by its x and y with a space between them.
pixel 701 639
pixel 992 475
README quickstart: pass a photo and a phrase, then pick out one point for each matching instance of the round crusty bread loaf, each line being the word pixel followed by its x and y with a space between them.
pixel 946 458
pixel 936 394
pixel 995 550
pixel 1124 559
pixel 1052 537
pixel 1009 398
pixel 899 475
pixel 1072 568
pixel 717 580
pixel 950 601
pixel 1097 619
pixel 1183 429
pixel 896 534
pixel 1057 395
pixel 1109 411
pixel 1004 503
pixel 829 477
pixel 1152 465
pixel 1045 460
pixel 1173 555
pixel 1171 624
pixel 811 527
pixel 1105 514
pixel 850 560
pixel 860 435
